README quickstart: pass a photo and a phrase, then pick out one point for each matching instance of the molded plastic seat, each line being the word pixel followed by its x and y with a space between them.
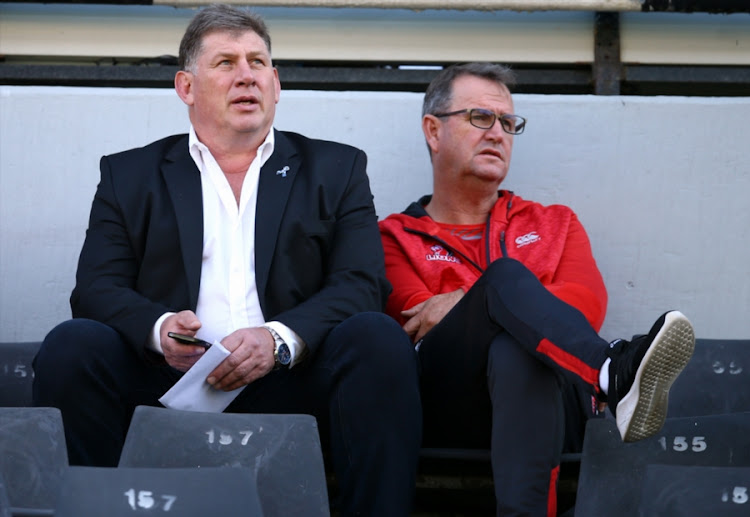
pixel 715 381
pixel 612 472
pixel 33 457
pixel 4 501
pixel 679 491
pixel 283 450
pixel 191 492
pixel 16 374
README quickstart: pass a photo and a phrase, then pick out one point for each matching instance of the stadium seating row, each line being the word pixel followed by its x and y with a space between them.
pixel 193 463
pixel 172 461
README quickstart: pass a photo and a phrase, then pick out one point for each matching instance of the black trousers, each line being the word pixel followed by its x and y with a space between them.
pixel 493 373
pixel 361 385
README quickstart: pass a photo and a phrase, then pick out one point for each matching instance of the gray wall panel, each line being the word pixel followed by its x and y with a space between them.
pixel 661 184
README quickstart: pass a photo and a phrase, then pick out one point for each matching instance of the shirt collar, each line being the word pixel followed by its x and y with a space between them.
pixel 198 149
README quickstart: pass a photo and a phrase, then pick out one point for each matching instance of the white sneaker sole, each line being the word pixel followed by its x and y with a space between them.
pixel 642 412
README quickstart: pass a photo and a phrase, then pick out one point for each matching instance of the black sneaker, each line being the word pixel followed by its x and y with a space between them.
pixel 643 370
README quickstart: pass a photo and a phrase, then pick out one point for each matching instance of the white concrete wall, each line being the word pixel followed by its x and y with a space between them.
pixel 660 183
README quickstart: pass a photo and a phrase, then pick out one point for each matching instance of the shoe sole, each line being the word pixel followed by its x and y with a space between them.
pixel 642 412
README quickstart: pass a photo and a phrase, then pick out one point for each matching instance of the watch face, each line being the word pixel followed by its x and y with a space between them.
pixel 285 357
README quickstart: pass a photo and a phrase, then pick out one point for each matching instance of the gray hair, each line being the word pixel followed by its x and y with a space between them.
pixel 440 91
pixel 218 18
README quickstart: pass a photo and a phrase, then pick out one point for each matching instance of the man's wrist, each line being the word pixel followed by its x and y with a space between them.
pixel 154 342
pixel 281 354
pixel 297 347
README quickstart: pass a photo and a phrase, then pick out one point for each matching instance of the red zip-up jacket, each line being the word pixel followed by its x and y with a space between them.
pixel 549 240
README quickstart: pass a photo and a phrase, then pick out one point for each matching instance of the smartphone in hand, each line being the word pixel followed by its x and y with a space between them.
pixel 189 340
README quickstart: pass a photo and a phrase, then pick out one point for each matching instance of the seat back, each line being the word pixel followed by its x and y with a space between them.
pixel 612 472
pixel 4 502
pixel 125 492
pixel 33 456
pixel 715 381
pixel 283 450
pixel 16 374
pixel 679 491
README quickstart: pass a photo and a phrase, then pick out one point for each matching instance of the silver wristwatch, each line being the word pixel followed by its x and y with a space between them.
pixel 281 353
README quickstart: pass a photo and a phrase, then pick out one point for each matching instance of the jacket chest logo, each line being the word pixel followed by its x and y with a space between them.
pixel 525 240
pixel 440 253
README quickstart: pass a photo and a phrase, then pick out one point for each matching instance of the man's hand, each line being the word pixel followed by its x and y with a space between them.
pixel 251 358
pixel 423 316
pixel 179 355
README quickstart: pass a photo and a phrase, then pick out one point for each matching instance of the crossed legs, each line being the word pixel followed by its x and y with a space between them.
pixel 487 379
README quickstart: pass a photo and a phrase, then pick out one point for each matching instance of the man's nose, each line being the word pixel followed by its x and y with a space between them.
pixel 496 133
pixel 245 73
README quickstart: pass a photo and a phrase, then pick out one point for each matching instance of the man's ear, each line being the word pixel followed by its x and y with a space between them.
pixel 183 85
pixel 431 130
pixel 277 84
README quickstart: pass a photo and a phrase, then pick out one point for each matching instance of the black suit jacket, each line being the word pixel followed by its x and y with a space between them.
pixel 318 254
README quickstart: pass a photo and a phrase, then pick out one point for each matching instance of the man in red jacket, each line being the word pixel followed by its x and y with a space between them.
pixel 503 300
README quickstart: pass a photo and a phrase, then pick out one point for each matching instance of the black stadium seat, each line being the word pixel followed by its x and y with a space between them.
pixel 284 451
pixel 33 456
pixel 4 501
pixel 127 492
pixel 686 491
pixel 612 472
pixel 715 381
pixel 16 374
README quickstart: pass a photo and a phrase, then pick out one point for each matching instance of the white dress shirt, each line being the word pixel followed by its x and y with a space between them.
pixel 228 295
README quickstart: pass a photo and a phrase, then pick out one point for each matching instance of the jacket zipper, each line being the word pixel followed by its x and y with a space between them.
pixel 503 249
pixel 487 240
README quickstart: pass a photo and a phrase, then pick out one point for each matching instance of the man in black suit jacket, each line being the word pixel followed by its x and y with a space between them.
pixel 263 240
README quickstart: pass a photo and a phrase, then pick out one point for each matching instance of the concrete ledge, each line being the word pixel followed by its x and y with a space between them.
pixel 481 5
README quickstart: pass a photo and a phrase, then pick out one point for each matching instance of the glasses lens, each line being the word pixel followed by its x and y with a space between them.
pixel 513 124
pixel 482 119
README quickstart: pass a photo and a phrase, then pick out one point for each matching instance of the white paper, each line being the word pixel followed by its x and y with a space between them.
pixel 193 393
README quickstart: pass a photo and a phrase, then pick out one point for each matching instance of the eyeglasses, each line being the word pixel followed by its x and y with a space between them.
pixel 485 119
